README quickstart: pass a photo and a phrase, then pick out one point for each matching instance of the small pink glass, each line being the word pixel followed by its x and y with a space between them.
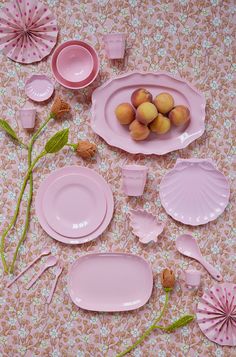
pixel 115 45
pixel 192 278
pixel 27 117
pixel 134 179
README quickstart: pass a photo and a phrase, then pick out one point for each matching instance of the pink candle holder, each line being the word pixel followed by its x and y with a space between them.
pixel 192 278
pixel 134 179
pixel 115 45
pixel 27 117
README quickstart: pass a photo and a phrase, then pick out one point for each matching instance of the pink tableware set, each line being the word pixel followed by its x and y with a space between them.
pixel 75 204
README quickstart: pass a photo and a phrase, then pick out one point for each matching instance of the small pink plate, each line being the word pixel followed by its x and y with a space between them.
pixel 110 282
pixel 74 205
pixel 119 90
pixel 39 87
pixel 65 171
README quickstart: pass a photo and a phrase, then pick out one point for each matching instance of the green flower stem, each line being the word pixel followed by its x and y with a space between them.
pixel 74 146
pixel 27 219
pixel 148 331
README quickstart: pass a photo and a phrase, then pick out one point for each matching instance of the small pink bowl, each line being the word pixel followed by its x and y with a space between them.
pixel 81 84
pixel 74 63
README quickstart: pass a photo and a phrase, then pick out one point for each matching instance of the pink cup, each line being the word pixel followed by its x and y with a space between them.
pixel 134 179
pixel 192 278
pixel 27 117
pixel 115 45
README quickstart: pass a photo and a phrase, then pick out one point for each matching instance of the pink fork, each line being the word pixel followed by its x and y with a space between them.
pixel 58 271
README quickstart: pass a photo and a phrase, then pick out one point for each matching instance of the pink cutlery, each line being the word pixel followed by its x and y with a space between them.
pixel 187 245
pixel 58 272
pixel 45 251
pixel 51 261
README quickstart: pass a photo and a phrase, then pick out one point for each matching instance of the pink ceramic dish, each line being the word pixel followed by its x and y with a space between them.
pixel 110 282
pixel 194 192
pixel 64 172
pixel 74 205
pixel 39 87
pixel 83 83
pixel 74 63
pixel 119 90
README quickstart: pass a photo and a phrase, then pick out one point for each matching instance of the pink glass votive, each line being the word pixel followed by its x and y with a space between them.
pixel 115 45
pixel 27 117
pixel 192 278
pixel 134 179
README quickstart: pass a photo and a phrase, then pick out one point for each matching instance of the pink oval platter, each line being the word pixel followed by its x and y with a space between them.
pixel 119 90
pixel 82 171
pixel 39 87
pixel 216 314
pixel 110 282
pixel 194 192
pixel 74 205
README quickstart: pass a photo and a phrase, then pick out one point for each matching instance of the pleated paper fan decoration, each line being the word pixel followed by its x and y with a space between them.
pixel 28 30
pixel 216 314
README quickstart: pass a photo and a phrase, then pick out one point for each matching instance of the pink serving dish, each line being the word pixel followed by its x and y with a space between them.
pixel 110 282
pixel 83 83
pixel 119 90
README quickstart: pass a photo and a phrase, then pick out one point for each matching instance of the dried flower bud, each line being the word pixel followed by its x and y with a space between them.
pixel 85 149
pixel 59 108
pixel 168 279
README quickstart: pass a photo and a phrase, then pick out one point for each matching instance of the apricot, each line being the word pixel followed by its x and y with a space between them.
pixel 146 113
pixel 140 96
pixel 125 113
pixel 164 102
pixel 138 131
pixel 160 124
pixel 180 115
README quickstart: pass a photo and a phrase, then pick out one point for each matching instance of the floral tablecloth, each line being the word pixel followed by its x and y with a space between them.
pixel 193 39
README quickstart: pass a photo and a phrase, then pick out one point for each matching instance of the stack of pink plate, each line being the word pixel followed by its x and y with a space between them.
pixel 74 205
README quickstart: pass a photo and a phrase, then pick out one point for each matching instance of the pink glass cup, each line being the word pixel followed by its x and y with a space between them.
pixel 27 117
pixel 192 278
pixel 134 179
pixel 115 45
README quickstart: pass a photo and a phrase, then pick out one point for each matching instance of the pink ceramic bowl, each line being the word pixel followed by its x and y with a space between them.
pixel 74 63
pixel 85 82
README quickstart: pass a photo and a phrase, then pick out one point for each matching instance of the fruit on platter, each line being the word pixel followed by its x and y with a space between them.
pixel 140 96
pixel 164 102
pixel 160 125
pixel 146 113
pixel 125 113
pixel 138 131
pixel 180 115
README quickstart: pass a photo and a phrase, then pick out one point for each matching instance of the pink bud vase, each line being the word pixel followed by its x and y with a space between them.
pixel 115 45
pixel 192 278
pixel 134 179
pixel 27 117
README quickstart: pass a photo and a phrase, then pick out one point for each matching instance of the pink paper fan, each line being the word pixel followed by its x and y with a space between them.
pixel 216 314
pixel 28 30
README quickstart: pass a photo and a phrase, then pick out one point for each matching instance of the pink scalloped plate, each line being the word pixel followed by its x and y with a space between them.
pixel 216 314
pixel 194 192
pixel 119 90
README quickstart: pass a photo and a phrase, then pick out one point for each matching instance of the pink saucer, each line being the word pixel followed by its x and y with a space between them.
pixel 85 82
pixel 74 63
pixel 74 205
pixel 39 87
pixel 104 187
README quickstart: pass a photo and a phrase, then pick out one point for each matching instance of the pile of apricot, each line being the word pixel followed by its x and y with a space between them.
pixel 146 114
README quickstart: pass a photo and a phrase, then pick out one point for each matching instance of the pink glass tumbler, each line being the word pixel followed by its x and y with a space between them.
pixel 27 117
pixel 134 179
pixel 115 45
pixel 192 278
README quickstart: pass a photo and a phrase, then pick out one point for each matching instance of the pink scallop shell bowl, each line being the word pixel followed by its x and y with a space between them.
pixel 75 64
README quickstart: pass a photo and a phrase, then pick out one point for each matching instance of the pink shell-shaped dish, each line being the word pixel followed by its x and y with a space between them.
pixel 194 192
pixel 118 90
pixel 216 314
pixel 145 226
pixel 28 30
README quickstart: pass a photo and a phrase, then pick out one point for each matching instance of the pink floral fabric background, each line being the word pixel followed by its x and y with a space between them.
pixel 193 39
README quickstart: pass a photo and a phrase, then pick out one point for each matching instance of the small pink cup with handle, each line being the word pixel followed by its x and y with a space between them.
pixel 192 278
pixel 115 45
pixel 134 179
pixel 27 117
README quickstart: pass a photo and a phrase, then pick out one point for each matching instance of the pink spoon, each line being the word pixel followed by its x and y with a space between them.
pixel 51 261
pixel 45 251
pixel 188 246
pixel 58 272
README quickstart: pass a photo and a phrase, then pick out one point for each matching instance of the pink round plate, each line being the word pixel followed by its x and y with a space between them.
pixel 110 282
pixel 39 87
pixel 194 192
pixel 74 205
pixel 89 79
pixel 74 63
pixel 118 90
pixel 64 172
